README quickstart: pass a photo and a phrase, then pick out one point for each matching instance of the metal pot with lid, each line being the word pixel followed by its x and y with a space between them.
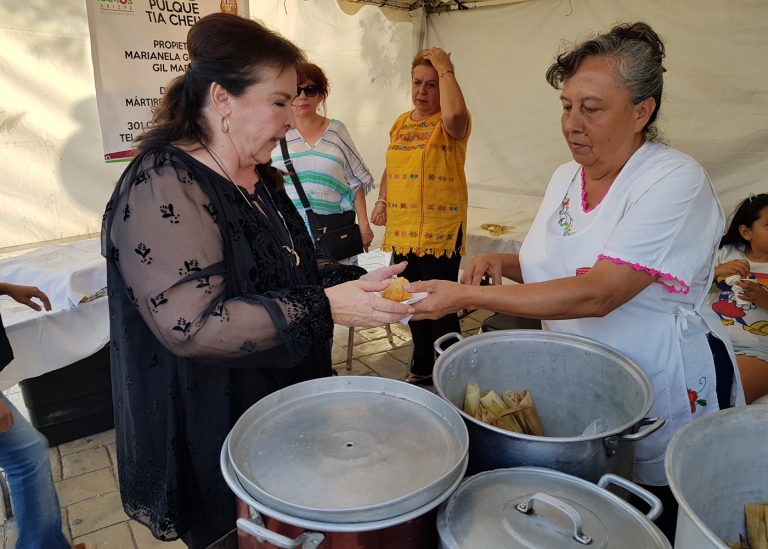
pixel 345 454
pixel 537 508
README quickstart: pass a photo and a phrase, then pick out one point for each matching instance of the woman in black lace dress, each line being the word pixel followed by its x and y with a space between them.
pixel 215 294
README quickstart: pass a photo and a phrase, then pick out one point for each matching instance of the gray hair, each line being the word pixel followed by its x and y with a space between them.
pixel 636 51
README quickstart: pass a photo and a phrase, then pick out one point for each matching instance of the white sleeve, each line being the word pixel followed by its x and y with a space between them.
pixel 356 172
pixel 670 230
pixel 721 256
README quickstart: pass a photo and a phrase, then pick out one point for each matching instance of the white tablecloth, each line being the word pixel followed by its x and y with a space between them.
pixel 45 341
pixel 481 241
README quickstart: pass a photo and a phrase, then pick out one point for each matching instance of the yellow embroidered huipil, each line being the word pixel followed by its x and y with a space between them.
pixel 426 187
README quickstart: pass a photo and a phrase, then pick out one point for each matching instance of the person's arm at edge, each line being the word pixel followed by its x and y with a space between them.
pixel 379 211
pixel 452 106
pixel 24 295
pixel 603 289
pixel 362 218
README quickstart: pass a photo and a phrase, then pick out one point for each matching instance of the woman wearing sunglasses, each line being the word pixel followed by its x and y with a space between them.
pixel 423 194
pixel 332 173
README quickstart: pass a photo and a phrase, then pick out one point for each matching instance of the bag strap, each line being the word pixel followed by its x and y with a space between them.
pixel 297 183
pixel 294 176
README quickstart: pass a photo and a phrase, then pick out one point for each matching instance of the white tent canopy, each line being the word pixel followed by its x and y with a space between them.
pixel 715 106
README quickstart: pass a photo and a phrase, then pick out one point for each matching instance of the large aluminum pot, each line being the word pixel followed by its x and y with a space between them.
pixel 714 466
pixel 535 508
pixel 574 382
pixel 330 462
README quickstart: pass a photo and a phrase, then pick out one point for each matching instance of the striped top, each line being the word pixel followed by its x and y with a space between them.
pixel 331 171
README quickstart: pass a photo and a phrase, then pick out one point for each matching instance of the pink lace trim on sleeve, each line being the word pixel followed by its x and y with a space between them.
pixel 673 284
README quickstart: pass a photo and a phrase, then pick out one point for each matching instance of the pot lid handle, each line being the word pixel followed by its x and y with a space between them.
pixel 256 528
pixel 572 513
pixel 631 487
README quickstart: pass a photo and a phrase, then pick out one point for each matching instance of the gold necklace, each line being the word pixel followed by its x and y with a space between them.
pixel 291 250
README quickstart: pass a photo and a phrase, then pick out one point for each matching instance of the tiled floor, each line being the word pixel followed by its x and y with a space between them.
pixel 86 474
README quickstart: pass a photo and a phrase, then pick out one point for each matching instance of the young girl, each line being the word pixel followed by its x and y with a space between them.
pixel 741 301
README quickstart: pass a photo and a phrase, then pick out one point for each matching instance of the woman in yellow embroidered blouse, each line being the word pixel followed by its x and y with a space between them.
pixel 423 193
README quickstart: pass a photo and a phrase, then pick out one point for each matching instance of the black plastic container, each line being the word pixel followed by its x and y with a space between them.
pixel 71 402
pixel 499 321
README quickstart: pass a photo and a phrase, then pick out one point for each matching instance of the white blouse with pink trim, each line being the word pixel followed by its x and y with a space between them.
pixel 672 284
pixel 574 215
pixel 660 215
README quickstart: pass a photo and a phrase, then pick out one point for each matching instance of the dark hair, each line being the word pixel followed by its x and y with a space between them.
pixel 637 52
pixel 747 212
pixel 310 71
pixel 223 48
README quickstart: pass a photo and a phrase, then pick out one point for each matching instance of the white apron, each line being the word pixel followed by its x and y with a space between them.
pixel 660 214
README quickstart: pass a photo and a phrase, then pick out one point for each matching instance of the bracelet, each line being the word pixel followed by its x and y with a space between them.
pixel 446 72
pixel 381 202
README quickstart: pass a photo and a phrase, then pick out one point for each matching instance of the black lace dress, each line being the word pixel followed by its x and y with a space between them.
pixel 208 313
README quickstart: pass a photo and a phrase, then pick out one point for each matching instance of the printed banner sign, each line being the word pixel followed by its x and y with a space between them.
pixel 138 47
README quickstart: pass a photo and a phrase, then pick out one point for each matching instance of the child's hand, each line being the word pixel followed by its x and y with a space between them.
pixel 24 295
pixel 732 267
pixel 754 293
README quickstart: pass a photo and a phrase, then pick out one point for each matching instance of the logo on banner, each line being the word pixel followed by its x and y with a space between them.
pixel 229 6
pixel 116 6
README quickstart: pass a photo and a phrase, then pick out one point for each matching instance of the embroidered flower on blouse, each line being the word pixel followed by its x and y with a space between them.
pixel 693 396
pixel 566 220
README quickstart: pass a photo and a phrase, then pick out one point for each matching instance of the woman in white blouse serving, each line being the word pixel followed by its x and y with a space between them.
pixel 328 164
pixel 622 246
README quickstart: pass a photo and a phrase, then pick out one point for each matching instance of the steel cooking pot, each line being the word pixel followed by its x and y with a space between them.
pixel 714 466
pixel 536 508
pixel 574 382
pixel 345 455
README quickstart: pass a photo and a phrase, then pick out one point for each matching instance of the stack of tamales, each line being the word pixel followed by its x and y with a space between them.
pixel 756 515
pixel 513 411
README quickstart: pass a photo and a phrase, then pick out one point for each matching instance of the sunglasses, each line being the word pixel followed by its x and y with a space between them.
pixel 309 91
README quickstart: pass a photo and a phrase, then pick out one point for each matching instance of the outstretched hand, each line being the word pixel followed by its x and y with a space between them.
pixel 25 294
pixel 385 273
pixel 445 297
pixel 480 266
pixel 356 303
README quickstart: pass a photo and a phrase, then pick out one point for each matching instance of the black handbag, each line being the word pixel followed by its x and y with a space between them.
pixel 336 235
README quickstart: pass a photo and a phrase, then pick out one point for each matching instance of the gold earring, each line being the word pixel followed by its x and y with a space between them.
pixel 225 123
